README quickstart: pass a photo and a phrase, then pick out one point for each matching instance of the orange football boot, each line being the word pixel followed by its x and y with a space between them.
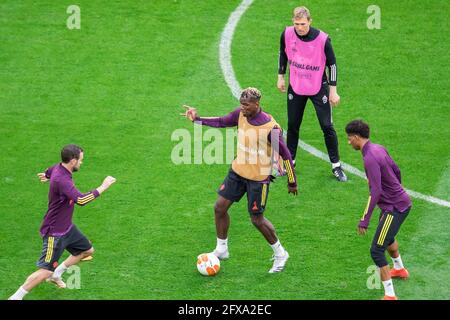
pixel 399 273
pixel 88 258
pixel 390 298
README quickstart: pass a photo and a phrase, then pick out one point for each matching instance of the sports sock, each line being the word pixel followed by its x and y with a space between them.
pixel 389 288
pixel 398 264
pixel 278 248
pixel 59 271
pixel 20 293
pixel 222 245
pixel 335 165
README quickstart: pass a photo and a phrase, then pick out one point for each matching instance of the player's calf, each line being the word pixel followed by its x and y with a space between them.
pixel 377 254
pixel 32 281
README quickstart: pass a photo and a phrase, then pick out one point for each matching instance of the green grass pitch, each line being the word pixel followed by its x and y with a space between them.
pixel 116 87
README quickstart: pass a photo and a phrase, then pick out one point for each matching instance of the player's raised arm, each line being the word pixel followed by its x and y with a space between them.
pixel 76 196
pixel 230 120
pixel 82 199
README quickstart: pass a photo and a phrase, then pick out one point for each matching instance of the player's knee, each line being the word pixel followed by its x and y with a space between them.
pixel 377 254
pixel 46 273
pixel 220 208
pixel 89 252
pixel 392 244
pixel 257 220
pixel 41 275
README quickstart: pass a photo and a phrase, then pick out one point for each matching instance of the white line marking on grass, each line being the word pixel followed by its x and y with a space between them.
pixel 359 173
pixel 230 78
pixel 225 48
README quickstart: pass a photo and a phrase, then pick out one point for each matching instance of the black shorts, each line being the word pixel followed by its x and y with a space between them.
pixel 53 247
pixel 388 227
pixel 234 187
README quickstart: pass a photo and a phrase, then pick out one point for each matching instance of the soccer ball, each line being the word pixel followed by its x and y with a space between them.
pixel 208 264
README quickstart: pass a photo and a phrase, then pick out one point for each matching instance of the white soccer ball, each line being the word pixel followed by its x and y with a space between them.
pixel 208 264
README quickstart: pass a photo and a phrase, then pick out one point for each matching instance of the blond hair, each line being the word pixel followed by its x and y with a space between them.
pixel 301 12
pixel 250 93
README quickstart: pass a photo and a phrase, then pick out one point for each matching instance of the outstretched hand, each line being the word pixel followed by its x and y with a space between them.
pixel 190 113
pixel 42 177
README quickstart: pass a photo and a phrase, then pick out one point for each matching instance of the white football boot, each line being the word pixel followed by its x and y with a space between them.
pixel 222 255
pixel 57 281
pixel 279 262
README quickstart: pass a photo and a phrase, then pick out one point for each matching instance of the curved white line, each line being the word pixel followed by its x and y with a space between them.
pixel 225 48
pixel 230 78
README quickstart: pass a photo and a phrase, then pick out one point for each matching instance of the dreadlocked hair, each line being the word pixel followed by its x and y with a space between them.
pixel 251 94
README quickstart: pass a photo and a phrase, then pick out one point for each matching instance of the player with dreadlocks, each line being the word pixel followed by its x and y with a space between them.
pixel 259 139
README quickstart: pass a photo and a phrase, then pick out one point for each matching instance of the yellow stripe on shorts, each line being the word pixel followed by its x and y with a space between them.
pixel 50 243
pixel 264 195
pixel 384 231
